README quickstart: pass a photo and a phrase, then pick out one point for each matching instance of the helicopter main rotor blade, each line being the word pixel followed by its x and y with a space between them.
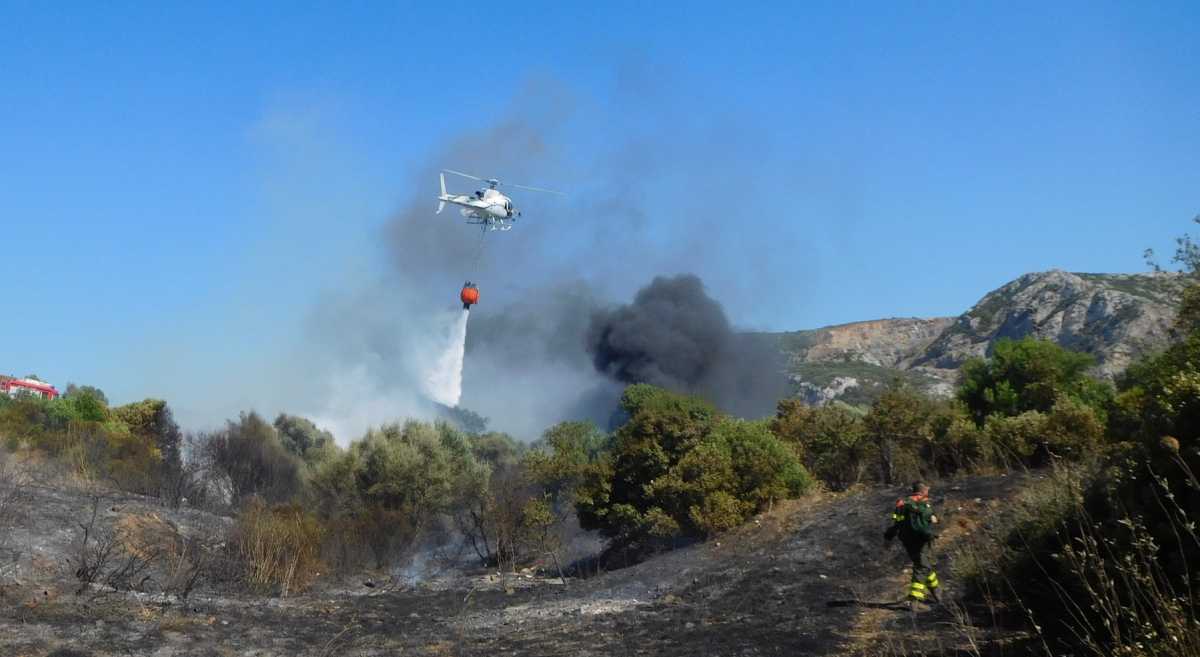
pixel 464 175
pixel 536 189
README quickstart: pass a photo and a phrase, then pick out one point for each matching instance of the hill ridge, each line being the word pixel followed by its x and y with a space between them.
pixel 1115 317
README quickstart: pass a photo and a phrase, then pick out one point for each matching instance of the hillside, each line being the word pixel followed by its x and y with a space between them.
pixel 807 578
pixel 1114 317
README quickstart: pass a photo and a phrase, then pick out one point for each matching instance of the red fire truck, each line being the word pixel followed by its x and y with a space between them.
pixel 13 387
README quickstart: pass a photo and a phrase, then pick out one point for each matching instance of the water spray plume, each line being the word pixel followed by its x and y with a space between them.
pixel 443 382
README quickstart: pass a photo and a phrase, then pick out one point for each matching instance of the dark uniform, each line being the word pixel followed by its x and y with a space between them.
pixel 912 521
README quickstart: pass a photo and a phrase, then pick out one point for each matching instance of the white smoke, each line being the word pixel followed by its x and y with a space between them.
pixel 355 402
pixel 443 379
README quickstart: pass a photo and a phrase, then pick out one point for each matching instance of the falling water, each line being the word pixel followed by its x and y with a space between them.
pixel 443 382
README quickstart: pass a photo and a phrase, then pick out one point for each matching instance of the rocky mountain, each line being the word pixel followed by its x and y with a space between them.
pixel 882 342
pixel 1114 317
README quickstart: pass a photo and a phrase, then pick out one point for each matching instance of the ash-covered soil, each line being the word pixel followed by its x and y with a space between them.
pixel 793 582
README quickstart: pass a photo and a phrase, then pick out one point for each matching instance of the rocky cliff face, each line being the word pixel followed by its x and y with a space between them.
pixel 882 342
pixel 1114 317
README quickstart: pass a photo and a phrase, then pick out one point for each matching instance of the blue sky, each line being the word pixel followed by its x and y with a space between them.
pixel 180 183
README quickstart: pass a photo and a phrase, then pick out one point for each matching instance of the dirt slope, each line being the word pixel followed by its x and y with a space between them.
pixel 763 590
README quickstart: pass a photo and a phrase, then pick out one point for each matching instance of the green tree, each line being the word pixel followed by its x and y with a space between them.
pixel 152 421
pixel 408 474
pixel 831 440
pixel 87 406
pixel 899 426
pixel 560 461
pixel 250 456
pixel 74 390
pixel 678 469
pixel 1028 375
pixel 301 437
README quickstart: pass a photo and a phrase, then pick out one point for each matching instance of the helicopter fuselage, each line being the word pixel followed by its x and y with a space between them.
pixel 486 206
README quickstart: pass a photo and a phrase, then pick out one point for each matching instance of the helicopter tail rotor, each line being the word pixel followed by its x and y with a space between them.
pixel 441 203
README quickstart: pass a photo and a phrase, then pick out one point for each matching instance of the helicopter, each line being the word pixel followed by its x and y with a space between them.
pixel 487 208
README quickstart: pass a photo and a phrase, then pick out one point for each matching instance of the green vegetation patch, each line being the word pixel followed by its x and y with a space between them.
pixel 871 378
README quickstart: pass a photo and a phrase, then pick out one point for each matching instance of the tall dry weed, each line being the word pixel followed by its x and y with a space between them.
pixel 279 547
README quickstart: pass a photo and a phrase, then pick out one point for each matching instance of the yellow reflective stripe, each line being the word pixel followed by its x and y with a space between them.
pixel 932 580
pixel 917 586
pixel 916 595
pixel 897 517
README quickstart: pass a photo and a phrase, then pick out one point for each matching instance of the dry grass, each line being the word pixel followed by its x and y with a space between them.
pixel 279 547
pixel 1108 594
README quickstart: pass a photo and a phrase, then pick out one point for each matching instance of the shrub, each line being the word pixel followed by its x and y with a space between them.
pixel 249 455
pixel 1070 430
pixel 677 469
pixel 899 426
pixel 151 423
pixel 831 441
pixel 957 445
pixel 1016 437
pixel 1105 582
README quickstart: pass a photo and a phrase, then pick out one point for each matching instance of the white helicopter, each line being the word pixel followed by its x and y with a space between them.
pixel 487 207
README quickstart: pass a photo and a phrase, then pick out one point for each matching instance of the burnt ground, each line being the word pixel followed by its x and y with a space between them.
pixel 792 582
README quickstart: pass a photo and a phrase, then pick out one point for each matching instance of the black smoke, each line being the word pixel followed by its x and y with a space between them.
pixel 676 336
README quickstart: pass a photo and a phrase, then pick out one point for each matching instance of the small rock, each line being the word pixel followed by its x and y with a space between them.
pixel 689 625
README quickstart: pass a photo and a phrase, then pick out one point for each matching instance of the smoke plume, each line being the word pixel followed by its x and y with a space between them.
pixel 545 345
pixel 676 336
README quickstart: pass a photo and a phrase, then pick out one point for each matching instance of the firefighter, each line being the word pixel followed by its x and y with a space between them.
pixel 913 521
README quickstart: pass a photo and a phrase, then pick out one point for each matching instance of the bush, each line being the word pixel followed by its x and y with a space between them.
pixel 679 470
pixel 252 460
pixel 899 424
pixel 957 445
pixel 136 447
pixel 151 423
pixel 1105 582
pixel 1015 437
pixel 1073 431
pixel 831 441
pixel 1070 430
